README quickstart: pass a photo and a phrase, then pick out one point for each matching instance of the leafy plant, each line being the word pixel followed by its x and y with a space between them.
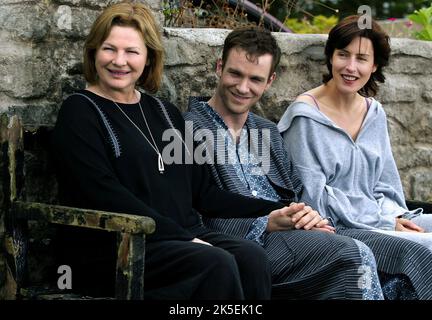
pixel 319 24
pixel 424 18
pixel 214 14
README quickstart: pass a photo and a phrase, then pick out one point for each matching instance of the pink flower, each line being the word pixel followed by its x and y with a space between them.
pixel 409 24
pixel 391 19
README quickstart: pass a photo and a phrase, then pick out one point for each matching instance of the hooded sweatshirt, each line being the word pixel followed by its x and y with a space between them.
pixel 355 183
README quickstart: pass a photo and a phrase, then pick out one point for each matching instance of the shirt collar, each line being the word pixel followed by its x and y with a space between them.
pixel 221 123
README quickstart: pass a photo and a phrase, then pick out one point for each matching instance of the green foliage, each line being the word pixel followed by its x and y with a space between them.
pixel 424 18
pixel 169 11
pixel 319 24
pixel 217 14
pixel 381 9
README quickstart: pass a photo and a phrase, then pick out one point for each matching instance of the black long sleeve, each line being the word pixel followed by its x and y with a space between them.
pixel 87 177
pixel 122 176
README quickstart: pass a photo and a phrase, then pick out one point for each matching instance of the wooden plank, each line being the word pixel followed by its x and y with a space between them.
pixel 130 267
pixel 12 243
pixel 87 218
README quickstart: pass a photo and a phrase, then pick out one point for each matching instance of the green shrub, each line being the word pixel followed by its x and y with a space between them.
pixel 423 17
pixel 319 24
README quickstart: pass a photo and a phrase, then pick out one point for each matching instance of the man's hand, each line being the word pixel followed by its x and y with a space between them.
pixel 326 228
pixel 196 240
pixel 307 218
pixel 280 220
pixel 297 216
pixel 407 226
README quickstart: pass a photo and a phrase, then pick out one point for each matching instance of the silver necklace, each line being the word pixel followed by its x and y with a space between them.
pixel 161 165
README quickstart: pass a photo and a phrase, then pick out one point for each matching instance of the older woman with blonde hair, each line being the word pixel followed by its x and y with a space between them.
pixel 109 142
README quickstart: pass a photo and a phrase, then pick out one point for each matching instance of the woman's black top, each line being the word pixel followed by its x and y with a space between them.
pixel 105 163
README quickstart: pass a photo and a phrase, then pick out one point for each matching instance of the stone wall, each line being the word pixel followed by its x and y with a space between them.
pixel 40 63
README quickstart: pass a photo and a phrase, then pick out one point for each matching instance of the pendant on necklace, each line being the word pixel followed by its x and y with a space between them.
pixel 161 166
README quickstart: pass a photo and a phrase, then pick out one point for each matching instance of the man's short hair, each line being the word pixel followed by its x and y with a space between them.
pixel 255 41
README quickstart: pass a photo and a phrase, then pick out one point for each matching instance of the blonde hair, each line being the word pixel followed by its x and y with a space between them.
pixel 139 17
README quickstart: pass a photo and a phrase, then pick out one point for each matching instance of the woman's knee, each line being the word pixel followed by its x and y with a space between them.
pixel 216 257
pixel 255 268
pixel 250 249
pixel 252 255
pixel 218 273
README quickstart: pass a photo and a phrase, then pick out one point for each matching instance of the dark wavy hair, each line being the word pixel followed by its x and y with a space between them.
pixel 255 41
pixel 343 33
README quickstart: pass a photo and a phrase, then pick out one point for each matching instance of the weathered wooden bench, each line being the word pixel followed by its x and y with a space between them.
pixel 21 212
pixel 19 215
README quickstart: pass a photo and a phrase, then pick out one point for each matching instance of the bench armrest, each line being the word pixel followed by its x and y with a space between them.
pixel 103 220
pixel 131 243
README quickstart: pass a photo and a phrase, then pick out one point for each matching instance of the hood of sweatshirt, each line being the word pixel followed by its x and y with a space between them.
pixel 303 109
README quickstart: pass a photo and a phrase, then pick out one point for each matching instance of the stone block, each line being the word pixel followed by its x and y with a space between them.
pixel 411 65
pixel 399 88
pixel 86 3
pixel 291 43
pixel 17 69
pixel 24 21
pixel 35 115
pixel 427 95
pixel 421 184
pixel 73 23
pixel 184 52
pixel 412 156
pixel 411 47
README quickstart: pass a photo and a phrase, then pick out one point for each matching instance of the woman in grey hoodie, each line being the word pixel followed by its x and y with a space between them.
pixel 338 140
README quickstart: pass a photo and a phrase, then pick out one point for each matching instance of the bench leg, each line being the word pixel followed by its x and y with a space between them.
pixel 130 267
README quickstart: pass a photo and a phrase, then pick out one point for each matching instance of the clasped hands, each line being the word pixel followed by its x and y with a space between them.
pixel 297 216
